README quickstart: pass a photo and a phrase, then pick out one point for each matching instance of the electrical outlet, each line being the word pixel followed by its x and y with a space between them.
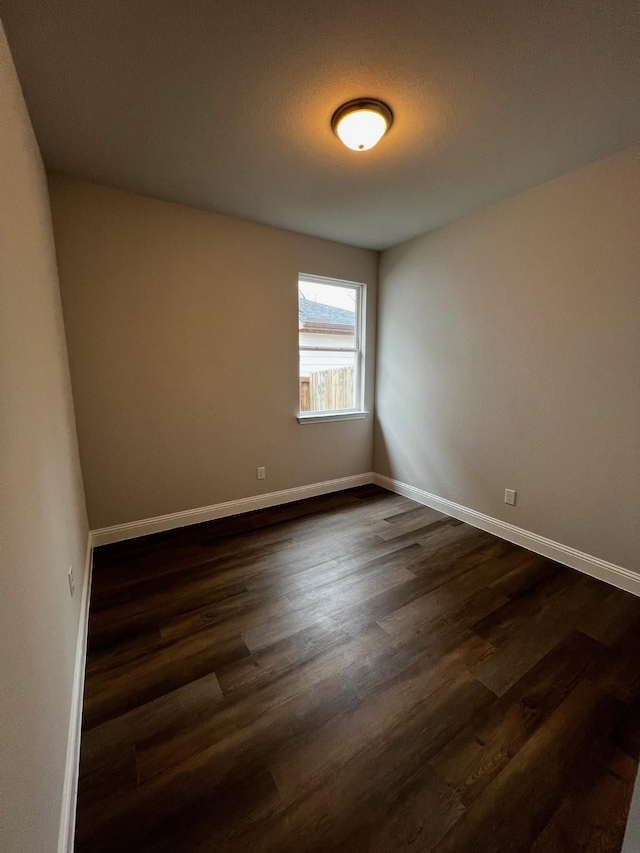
pixel 261 473
pixel 510 497
pixel 72 586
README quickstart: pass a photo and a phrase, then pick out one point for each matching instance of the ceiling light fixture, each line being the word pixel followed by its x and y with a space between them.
pixel 362 123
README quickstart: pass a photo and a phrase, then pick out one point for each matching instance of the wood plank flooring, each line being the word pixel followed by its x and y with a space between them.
pixel 354 673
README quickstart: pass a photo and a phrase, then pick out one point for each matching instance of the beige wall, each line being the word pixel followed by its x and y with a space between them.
pixel 182 333
pixel 43 526
pixel 509 357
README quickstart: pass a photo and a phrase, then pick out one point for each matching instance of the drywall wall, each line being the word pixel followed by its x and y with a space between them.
pixel 43 525
pixel 182 332
pixel 631 842
pixel 509 357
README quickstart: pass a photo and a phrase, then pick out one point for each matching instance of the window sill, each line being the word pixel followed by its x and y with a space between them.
pixel 326 417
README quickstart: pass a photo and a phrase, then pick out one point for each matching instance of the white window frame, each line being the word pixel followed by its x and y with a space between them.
pixel 358 411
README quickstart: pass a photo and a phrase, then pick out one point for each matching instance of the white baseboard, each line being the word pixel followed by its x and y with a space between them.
pixel 66 836
pixel 594 566
pixel 608 572
pixel 133 529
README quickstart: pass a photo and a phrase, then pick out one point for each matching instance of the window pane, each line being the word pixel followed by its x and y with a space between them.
pixel 327 381
pixel 326 314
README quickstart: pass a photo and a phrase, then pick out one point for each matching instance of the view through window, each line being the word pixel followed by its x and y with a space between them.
pixel 330 340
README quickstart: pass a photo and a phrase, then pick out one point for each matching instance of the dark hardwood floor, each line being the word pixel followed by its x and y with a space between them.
pixel 354 673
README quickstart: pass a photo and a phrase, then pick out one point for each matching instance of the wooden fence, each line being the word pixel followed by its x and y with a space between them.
pixel 327 390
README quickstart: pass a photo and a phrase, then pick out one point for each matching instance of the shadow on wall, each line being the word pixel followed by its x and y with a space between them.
pixel 438 474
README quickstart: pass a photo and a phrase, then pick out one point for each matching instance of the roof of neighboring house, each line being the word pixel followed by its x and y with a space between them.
pixel 315 315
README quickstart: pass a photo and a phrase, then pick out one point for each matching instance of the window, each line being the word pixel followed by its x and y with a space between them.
pixel 331 343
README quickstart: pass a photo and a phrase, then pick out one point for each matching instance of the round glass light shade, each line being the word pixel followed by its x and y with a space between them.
pixel 361 124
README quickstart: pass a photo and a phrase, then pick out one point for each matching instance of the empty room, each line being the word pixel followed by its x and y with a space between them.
pixel 320 438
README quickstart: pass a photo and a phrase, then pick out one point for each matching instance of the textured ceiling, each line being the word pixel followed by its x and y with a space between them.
pixel 226 105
